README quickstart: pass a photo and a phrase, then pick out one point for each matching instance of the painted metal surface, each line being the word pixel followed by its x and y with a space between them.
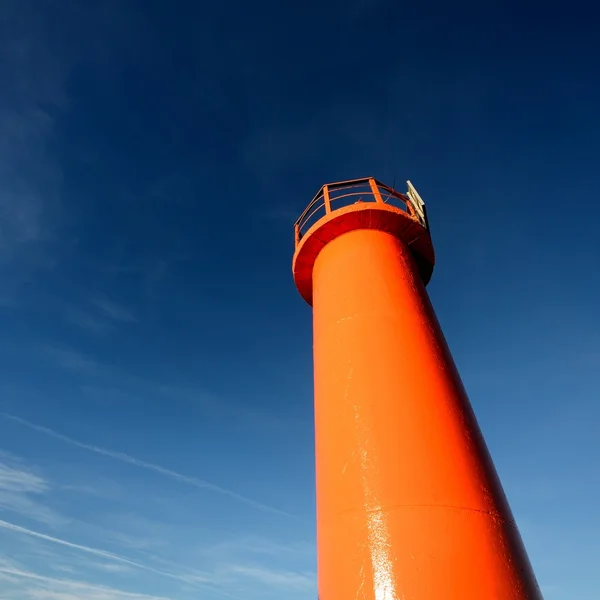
pixel 359 204
pixel 409 506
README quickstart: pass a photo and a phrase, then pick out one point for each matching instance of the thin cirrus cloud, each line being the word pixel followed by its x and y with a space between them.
pixel 53 588
pixel 82 548
pixel 196 580
pixel 16 480
pixel 268 577
pixel 131 460
pixel 19 490
pixel 255 545
pixel 112 567
pixel 88 322
pixel 104 316
pixel 73 361
pixel 113 310
pixel 229 575
pixel 33 84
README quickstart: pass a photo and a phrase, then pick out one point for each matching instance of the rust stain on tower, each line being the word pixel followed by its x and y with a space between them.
pixel 409 505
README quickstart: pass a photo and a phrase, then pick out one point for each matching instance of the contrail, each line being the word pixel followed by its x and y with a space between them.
pixel 72 584
pixel 142 464
pixel 87 549
pixel 111 556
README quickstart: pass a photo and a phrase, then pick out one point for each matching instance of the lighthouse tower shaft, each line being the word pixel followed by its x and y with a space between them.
pixel 409 506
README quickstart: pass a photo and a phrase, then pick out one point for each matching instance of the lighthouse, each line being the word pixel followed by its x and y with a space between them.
pixel 409 505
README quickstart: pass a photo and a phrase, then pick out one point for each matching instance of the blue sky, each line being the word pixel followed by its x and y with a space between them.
pixel 155 357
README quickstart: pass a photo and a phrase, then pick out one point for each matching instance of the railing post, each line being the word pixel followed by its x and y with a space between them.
pixel 375 190
pixel 326 199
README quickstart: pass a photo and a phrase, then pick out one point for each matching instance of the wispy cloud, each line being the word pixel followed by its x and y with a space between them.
pixel 100 315
pixel 126 458
pixel 112 567
pixel 184 578
pixel 82 548
pixel 73 360
pixel 113 310
pixel 88 322
pixel 17 480
pixel 18 489
pixel 190 578
pixel 135 542
pixel 225 409
pixel 256 545
pixel 105 320
pixel 51 588
pixel 32 77
pixel 272 577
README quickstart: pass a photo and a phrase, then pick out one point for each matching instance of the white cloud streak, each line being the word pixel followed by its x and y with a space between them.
pixel 114 311
pixel 126 458
pixel 52 588
pixel 89 323
pixel 105 316
pixel 73 360
pixel 273 578
pixel 32 78
pixel 253 545
pixel 18 488
pixel 18 481
pixel 82 548
pixel 194 579
pixel 112 567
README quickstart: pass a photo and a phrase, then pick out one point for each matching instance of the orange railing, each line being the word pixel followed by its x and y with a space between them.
pixel 334 196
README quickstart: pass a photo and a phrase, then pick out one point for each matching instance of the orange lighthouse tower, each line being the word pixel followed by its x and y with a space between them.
pixel 409 506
